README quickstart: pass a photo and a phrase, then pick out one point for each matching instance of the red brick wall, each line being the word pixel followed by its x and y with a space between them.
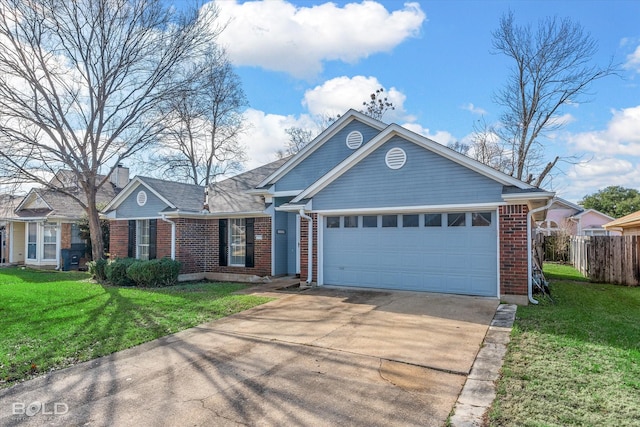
pixel 197 247
pixel 304 248
pixel 513 250
pixel 118 238
pixel 65 236
pixel 163 239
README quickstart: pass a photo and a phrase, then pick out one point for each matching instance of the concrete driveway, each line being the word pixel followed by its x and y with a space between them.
pixel 321 357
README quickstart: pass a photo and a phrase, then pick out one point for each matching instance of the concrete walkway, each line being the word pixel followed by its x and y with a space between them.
pixel 320 357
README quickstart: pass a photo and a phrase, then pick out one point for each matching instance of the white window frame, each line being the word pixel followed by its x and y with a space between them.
pixel 237 241
pixel 45 244
pixel 142 239
pixel 34 242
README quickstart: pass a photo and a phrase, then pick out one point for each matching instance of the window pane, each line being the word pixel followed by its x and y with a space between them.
pixel 409 220
pixel 333 222
pixel 49 251
pixel 433 220
pixel 481 219
pixel 33 230
pixel 389 220
pixel 456 219
pixel 142 238
pixel 50 233
pixel 370 221
pixel 49 246
pixel 237 242
pixel 32 238
pixel 75 234
pixel 350 222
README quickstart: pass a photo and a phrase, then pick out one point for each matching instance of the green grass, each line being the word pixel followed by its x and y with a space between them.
pixel 574 361
pixel 50 320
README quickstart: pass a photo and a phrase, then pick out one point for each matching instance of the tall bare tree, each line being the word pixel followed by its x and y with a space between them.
pixel 81 82
pixel 552 67
pixel 201 140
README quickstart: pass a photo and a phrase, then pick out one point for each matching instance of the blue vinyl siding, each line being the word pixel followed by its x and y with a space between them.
pixel 281 222
pixel 324 158
pixel 129 207
pixel 426 179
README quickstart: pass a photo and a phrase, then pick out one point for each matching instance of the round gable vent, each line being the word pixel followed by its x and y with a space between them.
pixel 354 140
pixel 142 198
pixel 395 158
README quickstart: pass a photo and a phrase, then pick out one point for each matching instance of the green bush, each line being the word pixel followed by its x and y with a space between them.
pixel 116 271
pixel 97 269
pixel 154 273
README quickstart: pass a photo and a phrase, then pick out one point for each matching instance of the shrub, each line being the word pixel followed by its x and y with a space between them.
pixel 116 271
pixel 154 273
pixel 97 269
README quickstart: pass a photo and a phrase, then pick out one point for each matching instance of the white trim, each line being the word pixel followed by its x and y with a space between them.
pixel 216 215
pixel 354 140
pixel 497 211
pixel 331 131
pixel 28 196
pixel 396 130
pixel 519 198
pixel 320 249
pixel 230 240
pixel 580 214
pixel 273 240
pixel 411 209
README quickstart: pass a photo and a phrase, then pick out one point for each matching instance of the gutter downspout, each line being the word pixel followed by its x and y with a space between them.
pixel 173 236
pixel 310 242
pixel 529 263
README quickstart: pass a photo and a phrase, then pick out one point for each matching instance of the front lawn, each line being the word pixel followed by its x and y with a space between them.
pixel 50 320
pixel 574 361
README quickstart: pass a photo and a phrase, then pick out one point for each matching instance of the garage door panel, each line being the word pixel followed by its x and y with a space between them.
pixel 439 259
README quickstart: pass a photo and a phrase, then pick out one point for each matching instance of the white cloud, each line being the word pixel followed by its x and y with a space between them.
pixel 633 60
pixel 474 110
pixel 337 95
pixel 440 136
pixel 279 36
pixel 622 135
pixel 602 171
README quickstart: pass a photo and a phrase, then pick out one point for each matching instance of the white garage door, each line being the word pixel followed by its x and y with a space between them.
pixel 437 252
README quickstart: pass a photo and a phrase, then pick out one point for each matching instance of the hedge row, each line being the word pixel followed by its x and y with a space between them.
pixel 134 272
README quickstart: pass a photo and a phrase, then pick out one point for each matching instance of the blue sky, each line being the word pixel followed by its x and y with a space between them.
pixel 298 59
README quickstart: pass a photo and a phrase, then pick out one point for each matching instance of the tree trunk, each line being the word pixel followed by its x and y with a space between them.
pixel 97 243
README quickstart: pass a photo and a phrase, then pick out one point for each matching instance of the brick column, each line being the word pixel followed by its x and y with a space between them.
pixel 118 238
pixel 304 248
pixel 513 250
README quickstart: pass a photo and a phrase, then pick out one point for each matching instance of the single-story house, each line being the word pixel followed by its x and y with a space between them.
pixel 39 226
pixel 628 225
pixel 574 220
pixel 365 204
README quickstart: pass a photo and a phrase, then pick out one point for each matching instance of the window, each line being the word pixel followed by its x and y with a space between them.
pixel 389 220
pixel 333 222
pixel 350 222
pixel 433 220
pixel 456 219
pixel 237 242
pixel 409 220
pixel 32 240
pixel 75 235
pixel 481 219
pixel 142 239
pixel 370 221
pixel 49 247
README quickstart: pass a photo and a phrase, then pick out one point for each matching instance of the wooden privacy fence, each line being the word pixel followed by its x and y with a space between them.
pixel 607 259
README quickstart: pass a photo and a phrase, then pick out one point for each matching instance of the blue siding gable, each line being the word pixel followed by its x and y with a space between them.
pixel 426 179
pixel 325 158
pixel 129 207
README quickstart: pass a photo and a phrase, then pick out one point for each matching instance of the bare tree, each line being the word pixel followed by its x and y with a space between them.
pixel 298 139
pixel 201 141
pixel 552 67
pixel 80 83
pixel 485 147
pixel 377 105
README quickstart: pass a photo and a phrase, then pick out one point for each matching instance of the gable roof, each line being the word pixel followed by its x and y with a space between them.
pixel 177 196
pixel 631 220
pixel 234 194
pixel 514 188
pixel 317 142
pixel 584 212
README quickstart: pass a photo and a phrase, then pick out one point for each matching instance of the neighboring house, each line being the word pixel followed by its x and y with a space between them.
pixel 365 204
pixel 571 219
pixel 628 225
pixel 44 223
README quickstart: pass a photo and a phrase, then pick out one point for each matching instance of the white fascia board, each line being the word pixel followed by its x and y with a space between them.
pixel 295 208
pixel 579 215
pixel 129 189
pixel 318 141
pixel 396 130
pixel 411 209
pixel 196 215
pixel 527 197
pixel 290 193
pixel 29 197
